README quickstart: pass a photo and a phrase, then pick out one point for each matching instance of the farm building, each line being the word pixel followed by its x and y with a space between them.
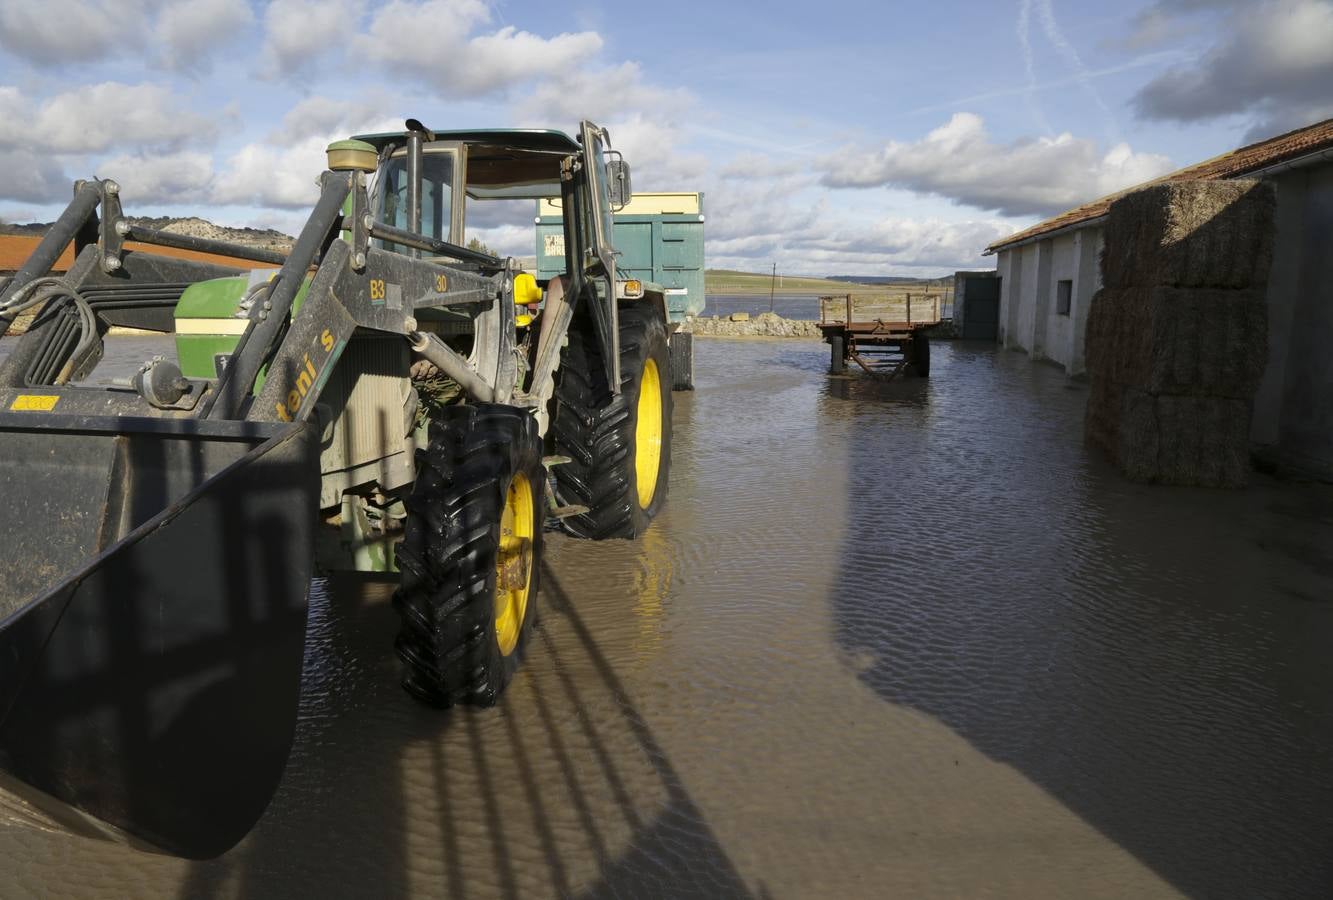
pixel 1049 273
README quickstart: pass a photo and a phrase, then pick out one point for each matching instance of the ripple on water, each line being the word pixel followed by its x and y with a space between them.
pixel 885 639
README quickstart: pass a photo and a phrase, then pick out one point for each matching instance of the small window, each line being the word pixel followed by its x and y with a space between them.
pixel 1064 294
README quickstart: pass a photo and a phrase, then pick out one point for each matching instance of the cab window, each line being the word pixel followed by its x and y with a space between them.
pixel 437 194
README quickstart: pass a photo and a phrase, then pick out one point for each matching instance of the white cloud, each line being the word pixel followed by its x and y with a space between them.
pixel 281 171
pixel 752 223
pixel 507 240
pixel 33 177
pixel 601 94
pixel 334 119
pixel 959 161
pixel 891 245
pixel 173 178
pixel 53 32
pixel 189 31
pixel 265 175
pixel 98 117
pixel 433 41
pixel 653 150
pixel 646 121
pixel 894 242
pixel 301 32
pixel 180 35
pixel 1273 64
pixel 760 221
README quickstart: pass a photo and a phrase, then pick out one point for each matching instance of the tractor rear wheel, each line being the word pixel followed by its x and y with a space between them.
pixel 470 555
pixel 619 446
pixel 682 361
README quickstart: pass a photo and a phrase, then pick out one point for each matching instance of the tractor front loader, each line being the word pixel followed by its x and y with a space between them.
pixel 378 399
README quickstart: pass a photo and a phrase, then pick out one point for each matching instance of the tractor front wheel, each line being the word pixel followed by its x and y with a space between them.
pixel 619 445
pixel 470 555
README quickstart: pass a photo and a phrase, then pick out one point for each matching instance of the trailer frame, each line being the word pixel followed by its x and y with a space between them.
pixel 881 347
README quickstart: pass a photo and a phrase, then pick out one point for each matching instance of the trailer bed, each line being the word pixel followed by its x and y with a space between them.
pixel 881 333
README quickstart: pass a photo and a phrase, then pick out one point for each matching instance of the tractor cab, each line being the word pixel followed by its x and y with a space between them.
pixel 458 169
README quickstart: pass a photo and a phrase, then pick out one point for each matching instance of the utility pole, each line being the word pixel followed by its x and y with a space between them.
pixel 772 282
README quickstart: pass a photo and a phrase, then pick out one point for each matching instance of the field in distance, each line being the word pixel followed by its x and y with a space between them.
pixel 725 281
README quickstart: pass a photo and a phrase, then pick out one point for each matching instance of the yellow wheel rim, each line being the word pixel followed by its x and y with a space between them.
pixel 513 563
pixel 648 434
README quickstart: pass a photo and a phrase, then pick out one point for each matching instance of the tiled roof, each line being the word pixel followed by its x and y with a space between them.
pixel 1275 150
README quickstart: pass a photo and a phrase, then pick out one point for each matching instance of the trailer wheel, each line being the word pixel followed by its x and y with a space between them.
pixel 921 355
pixel 470 555
pixel 837 356
pixel 619 446
pixel 682 361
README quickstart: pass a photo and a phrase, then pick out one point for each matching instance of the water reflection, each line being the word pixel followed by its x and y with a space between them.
pixel 905 639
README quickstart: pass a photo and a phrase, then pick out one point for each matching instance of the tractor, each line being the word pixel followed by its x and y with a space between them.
pixel 378 399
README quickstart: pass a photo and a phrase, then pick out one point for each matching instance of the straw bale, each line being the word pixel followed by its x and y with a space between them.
pixel 1116 336
pixel 1139 437
pixel 1201 342
pixel 1097 338
pixel 1206 343
pixel 1204 441
pixel 1101 423
pixel 1190 234
pixel 1170 439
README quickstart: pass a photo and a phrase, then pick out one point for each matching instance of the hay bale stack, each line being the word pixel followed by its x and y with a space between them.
pixel 1170 439
pixel 1197 234
pixel 1177 337
pixel 1190 342
pixel 1101 425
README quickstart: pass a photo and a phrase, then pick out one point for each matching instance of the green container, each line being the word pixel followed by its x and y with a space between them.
pixel 206 322
pixel 660 238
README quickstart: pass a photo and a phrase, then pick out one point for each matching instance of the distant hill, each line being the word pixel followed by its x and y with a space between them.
pixel 265 238
pixel 888 279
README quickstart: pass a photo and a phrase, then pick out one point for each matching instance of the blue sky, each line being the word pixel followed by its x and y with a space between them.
pixel 833 138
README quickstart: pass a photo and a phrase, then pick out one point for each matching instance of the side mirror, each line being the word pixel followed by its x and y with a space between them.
pixel 618 184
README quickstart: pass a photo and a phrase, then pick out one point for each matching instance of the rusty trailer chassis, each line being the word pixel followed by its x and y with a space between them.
pixel 884 336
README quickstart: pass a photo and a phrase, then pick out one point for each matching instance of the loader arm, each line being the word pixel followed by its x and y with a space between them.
pixel 153 598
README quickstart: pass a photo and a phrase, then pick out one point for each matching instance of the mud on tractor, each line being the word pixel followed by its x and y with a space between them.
pixel 383 400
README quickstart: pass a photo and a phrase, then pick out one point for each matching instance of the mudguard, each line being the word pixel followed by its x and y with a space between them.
pixel 153 595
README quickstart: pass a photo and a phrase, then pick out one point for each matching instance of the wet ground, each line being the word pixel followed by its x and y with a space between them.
pixel 887 640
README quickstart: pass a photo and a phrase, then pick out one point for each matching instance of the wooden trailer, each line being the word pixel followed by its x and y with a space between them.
pixel 882 333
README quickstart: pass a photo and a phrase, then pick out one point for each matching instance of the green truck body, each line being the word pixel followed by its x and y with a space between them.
pixel 659 238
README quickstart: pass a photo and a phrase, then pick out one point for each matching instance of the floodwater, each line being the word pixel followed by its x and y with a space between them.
pixel 887 640
pixel 789 306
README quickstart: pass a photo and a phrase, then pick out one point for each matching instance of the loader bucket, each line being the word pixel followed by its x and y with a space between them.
pixel 153 590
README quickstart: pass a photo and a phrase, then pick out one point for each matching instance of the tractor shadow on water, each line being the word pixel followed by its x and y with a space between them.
pixel 560 790
pixel 1126 648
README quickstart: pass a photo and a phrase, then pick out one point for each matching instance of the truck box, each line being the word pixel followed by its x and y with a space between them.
pixel 660 238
